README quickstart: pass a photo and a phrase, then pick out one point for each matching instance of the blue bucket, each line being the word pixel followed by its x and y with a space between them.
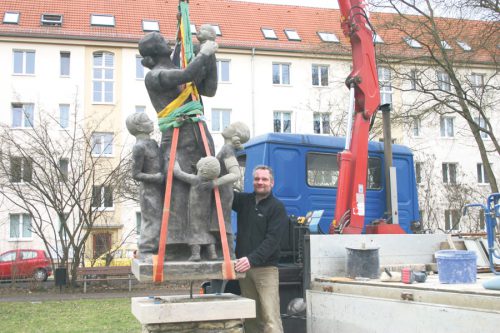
pixel 456 266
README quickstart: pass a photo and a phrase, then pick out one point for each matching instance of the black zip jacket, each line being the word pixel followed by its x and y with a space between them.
pixel 260 227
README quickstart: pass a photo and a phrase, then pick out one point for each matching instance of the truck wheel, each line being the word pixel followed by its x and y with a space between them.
pixel 40 275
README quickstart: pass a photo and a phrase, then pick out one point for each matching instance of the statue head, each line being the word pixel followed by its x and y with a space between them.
pixel 139 123
pixel 206 32
pixel 151 47
pixel 208 168
pixel 237 134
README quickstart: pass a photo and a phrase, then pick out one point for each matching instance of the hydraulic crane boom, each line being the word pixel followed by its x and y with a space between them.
pixel 364 102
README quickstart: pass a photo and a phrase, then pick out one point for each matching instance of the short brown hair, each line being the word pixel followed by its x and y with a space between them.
pixel 263 167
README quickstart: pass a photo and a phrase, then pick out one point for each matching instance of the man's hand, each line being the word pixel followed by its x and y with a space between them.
pixel 242 265
pixel 208 48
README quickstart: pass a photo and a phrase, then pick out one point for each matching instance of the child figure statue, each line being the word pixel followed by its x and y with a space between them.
pixel 146 168
pixel 200 206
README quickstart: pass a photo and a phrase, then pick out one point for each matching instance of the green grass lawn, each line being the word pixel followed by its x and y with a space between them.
pixel 87 315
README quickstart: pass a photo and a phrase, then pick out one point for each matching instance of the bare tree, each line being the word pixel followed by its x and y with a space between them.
pixel 61 178
pixel 440 68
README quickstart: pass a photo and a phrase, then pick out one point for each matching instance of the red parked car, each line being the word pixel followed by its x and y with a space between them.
pixel 25 263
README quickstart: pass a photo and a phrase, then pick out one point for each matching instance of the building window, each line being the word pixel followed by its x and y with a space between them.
pixel 418 172
pixel 64 63
pixel 21 169
pixel 445 45
pixel 328 37
pixel 269 33
pixel 321 123
pixel 138 222
pixel 220 119
pixel 481 122
pixel 103 77
pixel 11 18
pixel 64 115
pixel 102 20
pixel 52 19
pixel 449 173
pixel 139 68
pixel 223 70
pixel 24 62
pixel 482 177
pixel 384 79
pixel 140 109
pixel 413 79
pixel 320 75
pixel 102 144
pixel 64 168
pixel 464 45
pixel 23 116
pixel 216 27
pixel 281 73
pixel 148 25
pixel 282 122
pixel 417 126
pixel 377 39
pixel 451 219
pixel 447 127
pixel 20 226
pixel 412 42
pixel 102 196
pixel 443 81
pixel 292 35
pixel 476 80
pixel 192 27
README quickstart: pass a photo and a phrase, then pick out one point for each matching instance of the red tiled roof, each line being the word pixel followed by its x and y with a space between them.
pixel 240 23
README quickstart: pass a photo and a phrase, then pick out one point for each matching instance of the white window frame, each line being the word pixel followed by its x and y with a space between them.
pixel 140 109
pixel 384 79
pixel 280 66
pixel 64 115
pixel 417 127
pixel 445 45
pixel 412 42
pixel 482 178
pixel 280 116
pixel 449 172
pixel 443 81
pixel 377 39
pixel 140 71
pixel 103 190
pixel 216 27
pixel 452 220
pixel 150 25
pixel 23 219
pixel 27 115
pixel 102 144
pixel 220 117
pixel 63 66
pixel 103 69
pixel 102 20
pixel 292 35
pixel 11 18
pixel 221 64
pixel 476 80
pixel 447 126
pixel 319 75
pixel 25 69
pixel 269 33
pixel 328 37
pixel 481 122
pixel 322 119
pixel 51 19
pixel 466 47
pixel 192 27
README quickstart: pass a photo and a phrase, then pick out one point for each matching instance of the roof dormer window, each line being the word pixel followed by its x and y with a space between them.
pixel 217 29
pixel 11 18
pixel 464 45
pixel 102 20
pixel 328 37
pixel 445 45
pixel 413 43
pixel 268 33
pixel 52 19
pixel 192 27
pixel 292 35
pixel 377 39
pixel 150 25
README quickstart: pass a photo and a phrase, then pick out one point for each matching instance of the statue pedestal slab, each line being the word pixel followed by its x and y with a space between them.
pixel 182 270
pixel 217 312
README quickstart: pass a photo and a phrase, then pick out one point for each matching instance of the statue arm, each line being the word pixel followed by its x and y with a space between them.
pixel 233 174
pixel 184 176
pixel 207 86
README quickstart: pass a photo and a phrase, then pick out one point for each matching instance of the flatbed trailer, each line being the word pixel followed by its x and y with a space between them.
pixel 336 304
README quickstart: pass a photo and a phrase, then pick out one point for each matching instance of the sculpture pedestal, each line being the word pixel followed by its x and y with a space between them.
pixel 205 313
pixel 182 270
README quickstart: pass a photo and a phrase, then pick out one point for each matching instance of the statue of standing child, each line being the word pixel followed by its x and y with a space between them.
pixel 146 168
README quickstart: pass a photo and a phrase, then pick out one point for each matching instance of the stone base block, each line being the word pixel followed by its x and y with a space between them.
pixel 183 309
pixel 217 326
pixel 182 270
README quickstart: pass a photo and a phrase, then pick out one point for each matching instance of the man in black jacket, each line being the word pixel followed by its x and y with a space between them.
pixel 261 222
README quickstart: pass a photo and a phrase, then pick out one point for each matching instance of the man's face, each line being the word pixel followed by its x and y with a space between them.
pixel 262 182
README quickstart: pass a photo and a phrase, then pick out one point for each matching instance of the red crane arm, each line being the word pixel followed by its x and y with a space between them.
pixel 363 80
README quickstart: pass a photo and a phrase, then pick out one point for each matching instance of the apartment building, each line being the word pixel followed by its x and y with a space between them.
pixel 281 69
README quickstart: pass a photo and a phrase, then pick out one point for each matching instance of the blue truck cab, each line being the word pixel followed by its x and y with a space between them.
pixel 306 171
